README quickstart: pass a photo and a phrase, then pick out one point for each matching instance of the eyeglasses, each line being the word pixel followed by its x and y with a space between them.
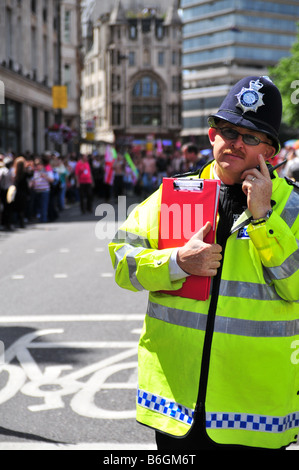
pixel 248 139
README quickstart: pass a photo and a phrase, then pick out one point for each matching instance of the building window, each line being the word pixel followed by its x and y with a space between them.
pixel 146 103
pixel 10 134
pixel 67 26
pixel 45 11
pixel 33 50
pixel 146 25
pixel 146 115
pixel 146 57
pixel 176 83
pixel 161 56
pixel 159 30
pixel 33 6
pixel 8 32
pixel 132 59
pixel 146 87
pixel 116 108
pixel 133 29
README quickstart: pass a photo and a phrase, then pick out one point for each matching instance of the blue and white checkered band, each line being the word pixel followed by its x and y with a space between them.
pixel 249 99
pixel 241 421
pixel 164 406
pixel 252 422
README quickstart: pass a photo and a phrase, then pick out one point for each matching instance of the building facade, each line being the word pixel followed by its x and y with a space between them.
pixel 223 41
pixel 132 77
pixel 35 55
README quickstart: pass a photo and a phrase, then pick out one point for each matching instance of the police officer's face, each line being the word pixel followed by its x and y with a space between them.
pixel 233 155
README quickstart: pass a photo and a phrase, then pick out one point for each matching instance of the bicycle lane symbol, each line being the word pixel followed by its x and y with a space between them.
pixel 54 383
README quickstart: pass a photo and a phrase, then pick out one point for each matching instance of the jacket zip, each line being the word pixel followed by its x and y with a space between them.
pixel 206 354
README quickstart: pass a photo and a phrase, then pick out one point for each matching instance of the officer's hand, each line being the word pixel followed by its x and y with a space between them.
pixel 257 186
pixel 198 257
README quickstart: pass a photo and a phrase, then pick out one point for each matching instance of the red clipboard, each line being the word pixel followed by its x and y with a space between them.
pixel 186 206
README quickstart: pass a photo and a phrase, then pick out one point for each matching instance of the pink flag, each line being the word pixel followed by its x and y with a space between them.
pixel 110 155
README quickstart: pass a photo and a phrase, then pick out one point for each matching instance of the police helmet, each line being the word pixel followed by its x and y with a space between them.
pixel 254 103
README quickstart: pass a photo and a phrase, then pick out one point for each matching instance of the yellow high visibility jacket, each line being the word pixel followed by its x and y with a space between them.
pixel 251 389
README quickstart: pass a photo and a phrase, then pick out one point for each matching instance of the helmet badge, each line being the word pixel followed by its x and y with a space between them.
pixel 250 99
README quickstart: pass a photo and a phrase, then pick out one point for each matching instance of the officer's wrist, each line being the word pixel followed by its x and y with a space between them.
pixel 263 219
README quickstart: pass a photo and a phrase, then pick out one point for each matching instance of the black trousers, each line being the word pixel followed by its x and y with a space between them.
pixel 85 192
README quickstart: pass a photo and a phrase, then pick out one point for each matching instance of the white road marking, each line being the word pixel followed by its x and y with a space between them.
pixel 99 250
pixel 30 251
pixel 64 250
pixel 79 446
pixel 107 275
pixel 72 318
pixel 17 276
pixel 60 276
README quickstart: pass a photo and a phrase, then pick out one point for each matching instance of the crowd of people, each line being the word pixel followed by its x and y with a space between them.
pixel 37 188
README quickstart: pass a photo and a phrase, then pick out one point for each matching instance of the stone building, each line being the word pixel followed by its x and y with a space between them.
pixel 36 54
pixel 132 76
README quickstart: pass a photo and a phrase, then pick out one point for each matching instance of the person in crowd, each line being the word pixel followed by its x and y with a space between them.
pixel 84 183
pixel 6 180
pixel 192 157
pixel 63 175
pixel 41 184
pixel 149 174
pixel 53 209
pixel 22 175
pixel 292 166
pixel 119 175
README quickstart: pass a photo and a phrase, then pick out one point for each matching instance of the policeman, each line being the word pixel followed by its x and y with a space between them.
pixel 223 373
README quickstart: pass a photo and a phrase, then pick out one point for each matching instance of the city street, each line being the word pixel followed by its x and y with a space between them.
pixel 70 337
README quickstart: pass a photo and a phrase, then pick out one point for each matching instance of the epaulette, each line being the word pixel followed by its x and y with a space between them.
pixel 292 182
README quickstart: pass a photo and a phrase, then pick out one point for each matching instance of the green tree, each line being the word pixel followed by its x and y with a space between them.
pixel 286 77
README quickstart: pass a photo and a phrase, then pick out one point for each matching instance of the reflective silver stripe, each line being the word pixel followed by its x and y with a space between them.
pixel 248 290
pixel 131 252
pixel 177 317
pixel 287 268
pixel 131 238
pixel 233 326
pixel 257 329
pixel 290 210
pixel 132 265
pixel 120 254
